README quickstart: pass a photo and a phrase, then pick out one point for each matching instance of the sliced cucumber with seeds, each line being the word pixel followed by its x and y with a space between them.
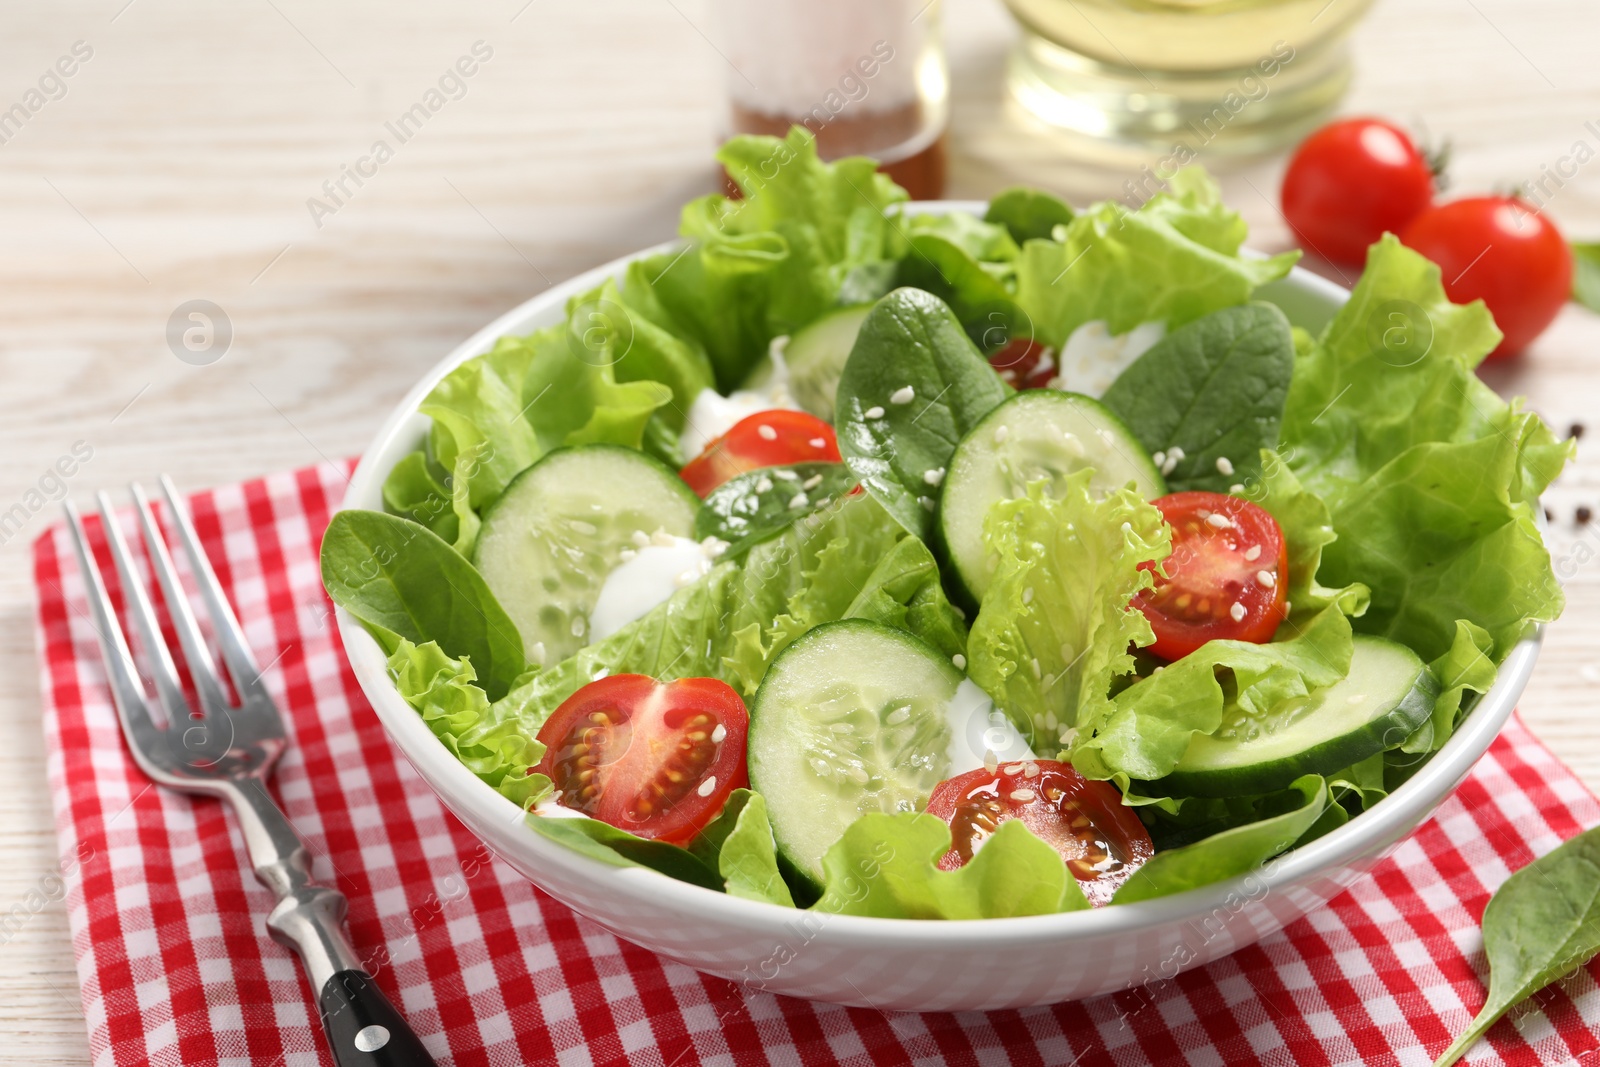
pixel 1037 434
pixel 815 357
pixel 851 718
pixel 1388 693
pixel 547 545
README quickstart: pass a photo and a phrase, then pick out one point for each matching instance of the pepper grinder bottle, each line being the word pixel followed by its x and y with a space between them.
pixel 867 77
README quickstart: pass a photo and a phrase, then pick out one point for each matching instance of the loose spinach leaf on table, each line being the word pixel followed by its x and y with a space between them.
pixel 924 385
pixel 1541 923
pixel 1214 388
pixel 401 580
pixel 1586 274
pixel 1028 214
pixel 759 504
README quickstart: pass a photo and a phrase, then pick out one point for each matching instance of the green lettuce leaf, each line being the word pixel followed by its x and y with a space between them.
pixel 1054 627
pixel 445 693
pixel 1173 260
pixel 886 866
pixel 738 845
pixel 630 331
pixel 1029 214
pixel 1468 665
pixel 1142 732
pixel 774 260
pixel 1232 852
pixel 1430 478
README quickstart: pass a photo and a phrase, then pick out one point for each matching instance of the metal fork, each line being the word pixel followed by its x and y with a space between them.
pixel 228 751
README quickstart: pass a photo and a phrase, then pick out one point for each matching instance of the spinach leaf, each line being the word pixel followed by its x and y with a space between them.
pixel 1214 389
pixel 759 504
pixel 1541 923
pixel 1028 214
pixel 618 848
pixel 402 581
pixel 979 298
pixel 1232 852
pixel 1586 274
pixel 912 387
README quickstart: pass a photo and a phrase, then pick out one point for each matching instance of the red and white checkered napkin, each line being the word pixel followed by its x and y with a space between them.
pixel 177 968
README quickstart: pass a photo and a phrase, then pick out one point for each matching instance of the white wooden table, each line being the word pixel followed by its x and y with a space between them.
pixel 178 165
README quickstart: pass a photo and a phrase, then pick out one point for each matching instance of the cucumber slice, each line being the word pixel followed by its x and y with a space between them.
pixel 815 357
pixel 548 543
pixel 1039 433
pixel 851 718
pixel 1388 693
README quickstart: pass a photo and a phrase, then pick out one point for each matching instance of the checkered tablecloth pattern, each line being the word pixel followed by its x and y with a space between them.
pixel 176 966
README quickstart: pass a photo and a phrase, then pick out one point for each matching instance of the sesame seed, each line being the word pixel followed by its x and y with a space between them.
pixel 960 661
pixel 812 482
pixel 1022 796
pixel 719 733
pixel 1267 579
pixel 798 500
pixel 662 538
pixel 902 395
pixel 1236 487
pixel 640 538
pixel 1027 595
pixel 818 442
pixel 601 673
pixel 1001 433
pixel 1160 459
pixel 626 554
pixel 786 475
pixel 933 476
pixel 874 412
pixel 1237 612
pixel 1224 465
pixel 763 484
pixel 926 502
pixel 1253 553
pixel 708 786
pixel 1176 453
pixel 1170 465
pixel 767 432
pixel 1218 520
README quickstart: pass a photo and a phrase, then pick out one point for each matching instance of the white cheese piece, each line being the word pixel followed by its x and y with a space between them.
pixel 656 571
pixel 712 414
pixel 978 728
pixel 1093 357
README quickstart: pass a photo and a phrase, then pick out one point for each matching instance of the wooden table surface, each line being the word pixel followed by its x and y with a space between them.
pixel 178 164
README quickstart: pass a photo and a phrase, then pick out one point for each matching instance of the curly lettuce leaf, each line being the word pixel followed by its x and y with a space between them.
pixel 777 258
pixel 886 866
pixel 1173 260
pixel 1054 627
pixel 1429 477
pixel 497 413
pixel 445 693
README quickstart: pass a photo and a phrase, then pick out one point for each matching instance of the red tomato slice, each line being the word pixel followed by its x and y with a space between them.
pixel 1226 576
pixel 1099 837
pixel 1025 364
pixel 657 759
pixel 766 439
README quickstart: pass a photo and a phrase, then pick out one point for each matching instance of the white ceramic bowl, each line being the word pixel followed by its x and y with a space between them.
pixel 912 965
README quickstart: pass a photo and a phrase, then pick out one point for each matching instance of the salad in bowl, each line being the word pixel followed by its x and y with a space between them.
pixel 867 560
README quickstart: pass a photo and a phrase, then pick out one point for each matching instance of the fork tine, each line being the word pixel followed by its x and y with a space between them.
pixel 201 666
pixel 126 688
pixel 230 635
pixel 168 686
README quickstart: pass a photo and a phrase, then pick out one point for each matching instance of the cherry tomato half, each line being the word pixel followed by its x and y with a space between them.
pixel 1500 250
pixel 1099 837
pixel 1226 576
pixel 657 759
pixel 1350 182
pixel 766 439
pixel 1024 364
